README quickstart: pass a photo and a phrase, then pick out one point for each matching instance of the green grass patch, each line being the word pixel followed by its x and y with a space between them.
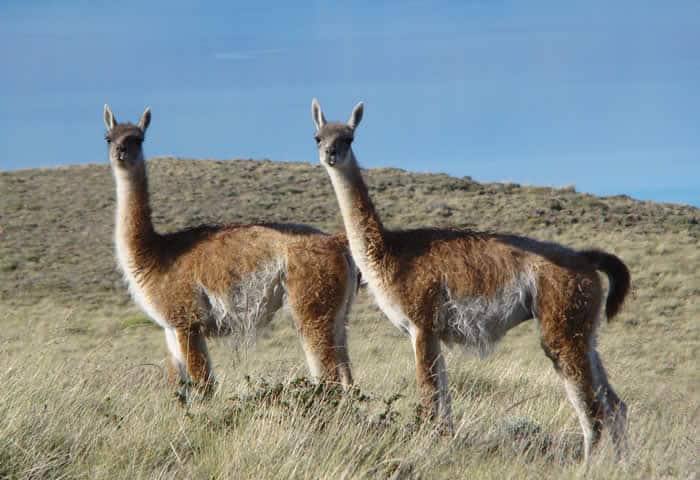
pixel 137 321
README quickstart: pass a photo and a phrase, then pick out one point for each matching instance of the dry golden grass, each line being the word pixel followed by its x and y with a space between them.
pixel 81 369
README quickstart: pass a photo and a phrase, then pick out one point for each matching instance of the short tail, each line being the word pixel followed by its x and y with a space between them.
pixel 618 278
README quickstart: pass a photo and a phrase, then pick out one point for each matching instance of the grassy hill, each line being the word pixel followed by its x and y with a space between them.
pixel 84 392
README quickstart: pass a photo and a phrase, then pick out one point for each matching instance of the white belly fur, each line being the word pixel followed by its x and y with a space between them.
pixel 475 323
pixel 249 304
pixel 479 322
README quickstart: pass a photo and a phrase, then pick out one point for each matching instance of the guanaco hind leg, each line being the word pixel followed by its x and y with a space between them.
pixel 321 319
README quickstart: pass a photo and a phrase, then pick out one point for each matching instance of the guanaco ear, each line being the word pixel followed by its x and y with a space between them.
pixel 145 119
pixel 110 121
pixel 317 114
pixel 356 115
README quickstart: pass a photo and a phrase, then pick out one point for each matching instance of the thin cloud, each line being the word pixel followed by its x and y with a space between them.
pixel 246 55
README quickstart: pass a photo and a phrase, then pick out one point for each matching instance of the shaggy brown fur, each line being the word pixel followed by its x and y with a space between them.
pixel 217 280
pixel 469 288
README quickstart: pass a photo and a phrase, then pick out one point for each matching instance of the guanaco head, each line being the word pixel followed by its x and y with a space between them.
pixel 334 139
pixel 125 140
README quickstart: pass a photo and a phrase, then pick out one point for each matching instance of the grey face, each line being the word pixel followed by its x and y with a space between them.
pixel 125 145
pixel 125 139
pixel 334 141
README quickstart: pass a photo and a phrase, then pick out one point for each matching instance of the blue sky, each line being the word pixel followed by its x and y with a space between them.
pixel 602 95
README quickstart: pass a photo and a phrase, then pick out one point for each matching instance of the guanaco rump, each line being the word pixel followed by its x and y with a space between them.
pixel 218 280
pixel 468 288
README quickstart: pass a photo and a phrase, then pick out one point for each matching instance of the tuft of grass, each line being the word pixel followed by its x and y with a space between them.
pixel 135 321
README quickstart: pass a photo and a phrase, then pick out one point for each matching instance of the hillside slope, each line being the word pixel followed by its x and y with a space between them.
pixel 57 223
pixel 83 371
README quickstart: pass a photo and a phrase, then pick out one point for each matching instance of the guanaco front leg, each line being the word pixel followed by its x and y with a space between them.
pixel 189 358
pixel 431 375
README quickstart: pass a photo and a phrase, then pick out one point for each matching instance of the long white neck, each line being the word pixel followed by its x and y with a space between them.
pixel 134 233
pixel 362 223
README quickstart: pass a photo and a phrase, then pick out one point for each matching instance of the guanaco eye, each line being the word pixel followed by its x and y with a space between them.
pixel 318 140
pixel 107 139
